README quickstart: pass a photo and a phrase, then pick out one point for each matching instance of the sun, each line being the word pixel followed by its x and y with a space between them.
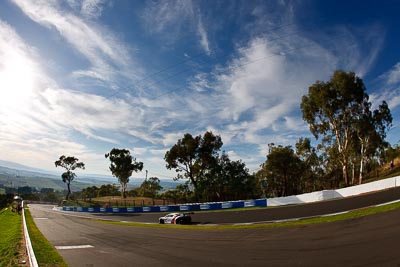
pixel 16 80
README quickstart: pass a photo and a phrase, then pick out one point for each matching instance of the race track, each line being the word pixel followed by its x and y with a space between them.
pixel 366 241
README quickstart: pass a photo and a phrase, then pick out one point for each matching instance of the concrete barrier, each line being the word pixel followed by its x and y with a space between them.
pixel 279 201
pixel 366 188
pixel 339 193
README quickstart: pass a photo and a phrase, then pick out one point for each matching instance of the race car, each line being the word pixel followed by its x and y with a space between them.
pixel 176 218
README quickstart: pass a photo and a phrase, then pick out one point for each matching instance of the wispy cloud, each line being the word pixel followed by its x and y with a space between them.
pixel 392 76
pixel 107 56
pixel 203 36
pixel 176 18
pixel 40 120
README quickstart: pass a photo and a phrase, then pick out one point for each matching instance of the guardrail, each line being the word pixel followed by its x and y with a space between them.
pixel 279 201
pixel 28 243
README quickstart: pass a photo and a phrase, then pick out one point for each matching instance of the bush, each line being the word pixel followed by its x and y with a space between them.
pixel 5 200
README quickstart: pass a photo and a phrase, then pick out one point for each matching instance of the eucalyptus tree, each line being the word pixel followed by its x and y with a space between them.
pixel 313 171
pixel 283 170
pixel 194 157
pixel 339 110
pixel 332 109
pixel 69 164
pixel 230 180
pixel 370 131
pixel 122 164
pixel 150 187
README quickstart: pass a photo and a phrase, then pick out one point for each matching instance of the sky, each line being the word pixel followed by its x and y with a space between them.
pixel 80 77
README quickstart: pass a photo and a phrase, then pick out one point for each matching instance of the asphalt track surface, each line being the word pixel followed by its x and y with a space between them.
pixel 367 241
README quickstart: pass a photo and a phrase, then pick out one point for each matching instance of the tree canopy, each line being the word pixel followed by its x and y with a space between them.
pixel 338 110
pixel 69 164
pixel 122 164
pixel 192 157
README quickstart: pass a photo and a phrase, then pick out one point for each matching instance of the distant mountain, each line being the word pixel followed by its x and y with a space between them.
pixel 17 175
pixel 20 167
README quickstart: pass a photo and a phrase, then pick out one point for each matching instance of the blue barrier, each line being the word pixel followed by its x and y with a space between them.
pixel 175 208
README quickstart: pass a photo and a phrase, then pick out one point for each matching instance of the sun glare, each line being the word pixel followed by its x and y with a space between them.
pixel 16 81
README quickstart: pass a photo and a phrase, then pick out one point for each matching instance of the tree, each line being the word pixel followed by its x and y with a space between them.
pixel 228 180
pixel 283 170
pixel 332 109
pixel 371 130
pixel 312 165
pixel 340 111
pixel 108 190
pixel 122 165
pixel 69 164
pixel 150 187
pixel 90 192
pixel 193 157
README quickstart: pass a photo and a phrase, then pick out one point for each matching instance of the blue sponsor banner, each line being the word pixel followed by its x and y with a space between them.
pixel 238 204
pixel 205 206
pixel 171 208
pixel 123 210
pixel 211 206
pixel 146 209
pixel 189 207
pixel 226 205
pixel 155 209
pixel 184 208
pixel 261 202
pixel 164 208
pixel 249 203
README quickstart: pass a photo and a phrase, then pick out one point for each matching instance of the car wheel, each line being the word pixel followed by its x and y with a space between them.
pixel 179 221
pixel 161 221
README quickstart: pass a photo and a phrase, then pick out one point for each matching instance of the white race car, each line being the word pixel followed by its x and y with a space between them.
pixel 176 218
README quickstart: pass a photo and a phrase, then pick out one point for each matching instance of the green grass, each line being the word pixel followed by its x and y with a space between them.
pixel 10 237
pixel 333 218
pixel 45 254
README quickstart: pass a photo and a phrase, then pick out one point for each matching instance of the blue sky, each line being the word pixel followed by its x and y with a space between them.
pixel 81 77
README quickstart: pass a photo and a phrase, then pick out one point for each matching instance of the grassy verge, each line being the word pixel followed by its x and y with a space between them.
pixel 45 254
pixel 10 237
pixel 333 218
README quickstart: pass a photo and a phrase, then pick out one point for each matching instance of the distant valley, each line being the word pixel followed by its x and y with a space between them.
pixel 16 175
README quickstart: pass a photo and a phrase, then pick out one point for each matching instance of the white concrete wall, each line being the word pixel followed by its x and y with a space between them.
pixel 330 194
pixel 366 188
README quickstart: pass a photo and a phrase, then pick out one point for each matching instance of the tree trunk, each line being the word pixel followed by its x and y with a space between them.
pixel 360 177
pixel 69 191
pixel 345 173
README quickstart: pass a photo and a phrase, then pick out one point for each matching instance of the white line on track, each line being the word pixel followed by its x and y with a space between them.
pixel 73 247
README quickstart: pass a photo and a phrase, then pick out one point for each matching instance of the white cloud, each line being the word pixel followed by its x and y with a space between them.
pixel 176 18
pixel 92 8
pixel 203 36
pixel 391 96
pixel 392 76
pixel 39 123
pixel 96 43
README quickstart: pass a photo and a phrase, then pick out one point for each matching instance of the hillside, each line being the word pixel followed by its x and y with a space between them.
pixel 11 177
